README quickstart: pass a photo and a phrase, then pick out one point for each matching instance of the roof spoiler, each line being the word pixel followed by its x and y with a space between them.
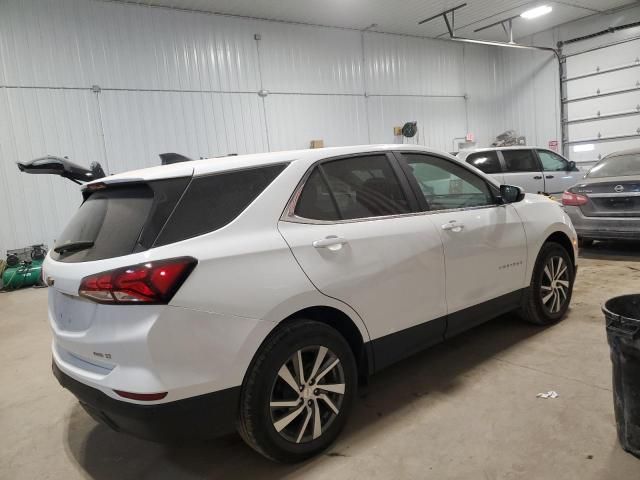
pixel 62 166
pixel 170 157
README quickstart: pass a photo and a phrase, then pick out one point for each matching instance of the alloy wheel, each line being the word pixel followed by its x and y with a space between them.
pixel 554 288
pixel 307 394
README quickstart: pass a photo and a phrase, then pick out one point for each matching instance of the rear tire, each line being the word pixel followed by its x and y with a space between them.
pixel 290 425
pixel 547 299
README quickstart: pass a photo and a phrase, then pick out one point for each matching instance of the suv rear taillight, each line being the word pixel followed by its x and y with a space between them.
pixel 147 283
pixel 573 199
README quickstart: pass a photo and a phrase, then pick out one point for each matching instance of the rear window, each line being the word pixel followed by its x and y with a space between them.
pixel 618 166
pixel 486 162
pixel 519 161
pixel 121 220
pixel 109 221
pixel 213 201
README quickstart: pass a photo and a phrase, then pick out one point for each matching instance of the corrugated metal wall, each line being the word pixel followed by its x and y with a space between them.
pixel 188 82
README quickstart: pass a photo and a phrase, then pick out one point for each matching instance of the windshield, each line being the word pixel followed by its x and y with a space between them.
pixel 618 166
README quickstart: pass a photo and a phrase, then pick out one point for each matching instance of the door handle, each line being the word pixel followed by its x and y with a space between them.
pixel 453 226
pixel 332 242
pixel 538 177
pixel 549 176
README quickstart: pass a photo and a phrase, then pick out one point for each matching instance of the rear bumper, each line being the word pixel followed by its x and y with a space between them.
pixel 203 416
pixel 604 228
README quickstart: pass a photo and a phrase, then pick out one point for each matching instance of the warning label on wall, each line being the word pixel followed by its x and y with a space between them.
pixel 553 145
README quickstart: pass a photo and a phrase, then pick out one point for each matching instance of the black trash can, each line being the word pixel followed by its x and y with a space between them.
pixel 623 334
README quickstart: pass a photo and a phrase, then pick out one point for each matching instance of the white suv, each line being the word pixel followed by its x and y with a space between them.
pixel 255 291
pixel 534 169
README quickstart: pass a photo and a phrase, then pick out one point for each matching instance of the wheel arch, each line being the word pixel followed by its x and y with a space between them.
pixel 340 321
pixel 562 239
pixel 337 319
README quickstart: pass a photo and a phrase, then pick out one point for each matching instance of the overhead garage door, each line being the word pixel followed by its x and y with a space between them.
pixel 601 95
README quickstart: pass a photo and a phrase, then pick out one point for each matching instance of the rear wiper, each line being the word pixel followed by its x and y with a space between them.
pixel 74 246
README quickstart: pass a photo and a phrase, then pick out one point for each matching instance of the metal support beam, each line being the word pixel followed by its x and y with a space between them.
pixel 510 44
pixel 506 24
pixel 505 44
pixel 564 113
pixel 443 14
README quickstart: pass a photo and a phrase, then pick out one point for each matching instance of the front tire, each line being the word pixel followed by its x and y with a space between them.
pixel 548 297
pixel 298 392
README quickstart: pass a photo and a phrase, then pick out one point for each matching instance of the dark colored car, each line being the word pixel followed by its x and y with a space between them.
pixel 606 204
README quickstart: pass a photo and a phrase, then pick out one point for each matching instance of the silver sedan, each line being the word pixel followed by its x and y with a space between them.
pixel 606 204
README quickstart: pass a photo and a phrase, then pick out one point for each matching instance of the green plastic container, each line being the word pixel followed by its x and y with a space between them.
pixel 23 275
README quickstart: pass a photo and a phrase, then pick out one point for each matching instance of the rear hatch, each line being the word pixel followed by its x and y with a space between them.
pixel 119 218
pixel 610 197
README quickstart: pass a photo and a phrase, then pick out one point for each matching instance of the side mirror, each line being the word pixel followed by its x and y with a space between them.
pixel 63 167
pixel 511 193
pixel 572 166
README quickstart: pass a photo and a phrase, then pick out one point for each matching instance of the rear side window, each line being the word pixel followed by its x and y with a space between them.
pixel 519 161
pixel 486 162
pixel 352 188
pixel 211 202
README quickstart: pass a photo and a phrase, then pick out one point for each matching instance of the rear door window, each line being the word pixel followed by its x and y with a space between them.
pixel 486 162
pixel 519 161
pixel 359 187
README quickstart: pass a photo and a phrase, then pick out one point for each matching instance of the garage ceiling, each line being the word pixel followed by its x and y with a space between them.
pixel 402 16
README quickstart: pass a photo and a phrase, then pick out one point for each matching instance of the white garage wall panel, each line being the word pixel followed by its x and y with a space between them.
pixel 140 125
pixel 440 120
pixel 338 120
pixel 529 95
pixel 80 43
pixel 398 65
pixel 32 123
pixel 308 59
pixel 169 80
pixel 484 108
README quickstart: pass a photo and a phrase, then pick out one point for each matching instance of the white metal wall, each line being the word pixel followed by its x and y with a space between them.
pixel 171 80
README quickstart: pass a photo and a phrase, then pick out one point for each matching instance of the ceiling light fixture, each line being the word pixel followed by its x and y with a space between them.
pixel 536 12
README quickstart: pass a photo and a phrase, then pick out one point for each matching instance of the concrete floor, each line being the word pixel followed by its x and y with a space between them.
pixel 463 410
